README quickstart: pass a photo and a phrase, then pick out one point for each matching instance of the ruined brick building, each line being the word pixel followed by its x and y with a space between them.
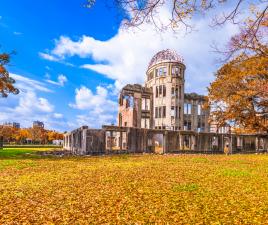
pixel 162 102
pixel 160 117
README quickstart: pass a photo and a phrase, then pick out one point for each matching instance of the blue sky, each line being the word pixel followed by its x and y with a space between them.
pixel 71 61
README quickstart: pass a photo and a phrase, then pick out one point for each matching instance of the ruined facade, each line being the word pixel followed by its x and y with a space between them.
pixel 114 139
pixel 162 103
pixel 135 107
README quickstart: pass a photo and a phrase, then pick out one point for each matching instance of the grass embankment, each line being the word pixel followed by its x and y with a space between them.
pixel 181 189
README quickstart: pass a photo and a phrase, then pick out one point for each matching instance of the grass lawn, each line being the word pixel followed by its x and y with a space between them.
pixel 139 189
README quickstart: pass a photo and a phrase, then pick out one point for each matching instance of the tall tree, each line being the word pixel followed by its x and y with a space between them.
pixel 239 94
pixel 6 82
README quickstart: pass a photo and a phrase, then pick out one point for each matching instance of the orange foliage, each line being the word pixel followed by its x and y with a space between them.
pixel 6 82
pixel 36 135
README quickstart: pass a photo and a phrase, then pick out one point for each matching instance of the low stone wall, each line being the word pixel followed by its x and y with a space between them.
pixel 117 140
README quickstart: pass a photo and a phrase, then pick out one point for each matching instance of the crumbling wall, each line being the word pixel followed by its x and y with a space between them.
pixel 117 140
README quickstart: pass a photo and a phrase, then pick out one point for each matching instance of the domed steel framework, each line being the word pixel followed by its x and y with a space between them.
pixel 167 55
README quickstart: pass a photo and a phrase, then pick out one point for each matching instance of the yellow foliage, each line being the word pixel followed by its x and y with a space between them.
pixel 148 189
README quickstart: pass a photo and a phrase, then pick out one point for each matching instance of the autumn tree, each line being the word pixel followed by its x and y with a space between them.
pixel 6 82
pixel 23 135
pixel 38 135
pixel 239 94
pixel 6 132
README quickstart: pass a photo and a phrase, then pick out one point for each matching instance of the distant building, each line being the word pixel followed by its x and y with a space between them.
pixel 12 124
pixel 38 124
pixel 162 103
pixel 57 142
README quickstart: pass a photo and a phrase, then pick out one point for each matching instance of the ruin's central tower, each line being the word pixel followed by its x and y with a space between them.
pixel 165 75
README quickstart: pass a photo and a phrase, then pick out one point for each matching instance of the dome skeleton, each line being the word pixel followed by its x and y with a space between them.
pixel 165 56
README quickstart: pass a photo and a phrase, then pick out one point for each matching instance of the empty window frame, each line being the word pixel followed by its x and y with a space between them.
pixel 156 72
pixel 164 91
pixel 176 112
pixel 175 71
pixel 160 112
pixel 156 112
pixel 173 91
pixel 187 125
pixel 215 141
pixel 199 109
pixel 150 75
pixel 145 105
pixel 239 142
pixel 187 108
pixel 160 90
pixel 164 112
pixel 162 71
pixel 172 111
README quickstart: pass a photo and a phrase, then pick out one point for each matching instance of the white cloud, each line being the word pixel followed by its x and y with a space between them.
pixel 28 106
pixel 99 108
pixel 57 115
pixel 127 54
pixel 29 103
pixel 54 58
pixel 24 83
pixel 62 79
pixel 49 57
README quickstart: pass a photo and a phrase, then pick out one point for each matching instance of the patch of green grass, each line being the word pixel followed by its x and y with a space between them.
pixel 21 153
pixel 15 153
pixel 185 187
pixel 234 173
pixel 200 160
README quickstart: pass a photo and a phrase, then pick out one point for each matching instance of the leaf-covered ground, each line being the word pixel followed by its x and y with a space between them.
pixel 141 189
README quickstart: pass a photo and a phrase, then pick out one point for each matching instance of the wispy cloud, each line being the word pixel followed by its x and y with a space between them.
pixel 25 83
pixel 49 57
pixel 54 58
pixel 62 79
